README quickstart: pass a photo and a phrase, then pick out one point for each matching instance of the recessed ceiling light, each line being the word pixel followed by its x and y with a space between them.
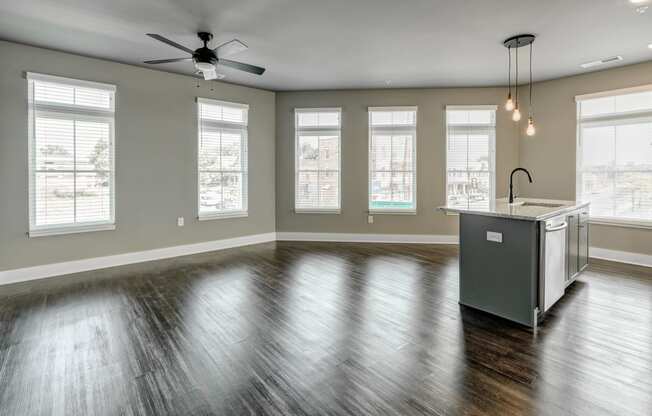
pixel 638 1
pixel 641 9
pixel 602 62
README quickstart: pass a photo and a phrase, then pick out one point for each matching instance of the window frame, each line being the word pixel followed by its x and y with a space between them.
pixel 68 112
pixel 318 129
pixel 492 148
pixel 611 119
pixel 414 131
pixel 244 162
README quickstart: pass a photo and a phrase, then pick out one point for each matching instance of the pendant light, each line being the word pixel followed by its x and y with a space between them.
pixel 509 105
pixel 530 131
pixel 517 42
pixel 516 115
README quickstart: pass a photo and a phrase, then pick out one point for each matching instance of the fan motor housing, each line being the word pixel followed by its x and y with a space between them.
pixel 205 55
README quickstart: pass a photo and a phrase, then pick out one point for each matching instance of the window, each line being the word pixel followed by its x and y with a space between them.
pixel 470 156
pixel 317 160
pixel 222 159
pixel 71 142
pixel 392 159
pixel 614 154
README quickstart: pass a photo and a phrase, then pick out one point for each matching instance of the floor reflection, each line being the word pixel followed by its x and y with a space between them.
pixel 317 328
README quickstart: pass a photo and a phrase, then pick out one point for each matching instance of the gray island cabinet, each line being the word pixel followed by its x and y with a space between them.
pixel 516 260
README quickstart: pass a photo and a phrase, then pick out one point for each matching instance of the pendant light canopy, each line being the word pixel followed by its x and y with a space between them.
pixel 512 104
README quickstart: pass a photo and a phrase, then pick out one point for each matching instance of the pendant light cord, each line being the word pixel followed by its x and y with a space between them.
pixel 530 111
pixel 509 76
pixel 516 82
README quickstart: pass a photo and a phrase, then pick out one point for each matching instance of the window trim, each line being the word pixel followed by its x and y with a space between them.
pixel 76 113
pixel 492 150
pixel 35 76
pixel 226 215
pixel 611 119
pixel 62 230
pixel 240 213
pixel 338 130
pixel 414 130
pixel 613 93
pixel 621 222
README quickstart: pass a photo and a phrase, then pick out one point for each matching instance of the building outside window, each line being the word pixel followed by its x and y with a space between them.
pixel 71 155
pixel 614 155
pixel 392 159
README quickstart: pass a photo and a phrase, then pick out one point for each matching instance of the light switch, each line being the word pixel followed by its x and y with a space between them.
pixel 494 236
pixel 180 222
pixel 370 219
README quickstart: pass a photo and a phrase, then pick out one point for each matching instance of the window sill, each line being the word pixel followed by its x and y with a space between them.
pixel 390 212
pixel 318 211
pixel 210 217
pixel 613 222
pixel 45 232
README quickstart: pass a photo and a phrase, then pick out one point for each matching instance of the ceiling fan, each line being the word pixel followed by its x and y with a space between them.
pixel 205 59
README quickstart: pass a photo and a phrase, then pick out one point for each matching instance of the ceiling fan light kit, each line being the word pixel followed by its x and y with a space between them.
pixel 206 59
pixel 512 104
pixel 204 66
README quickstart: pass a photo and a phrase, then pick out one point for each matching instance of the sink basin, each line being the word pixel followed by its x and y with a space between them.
pixel 541 204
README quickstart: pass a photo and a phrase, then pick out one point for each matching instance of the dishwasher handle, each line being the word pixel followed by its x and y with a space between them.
pixel 559 227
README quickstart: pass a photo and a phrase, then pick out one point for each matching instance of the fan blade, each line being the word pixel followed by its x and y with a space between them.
pixel 230 48
pixel 242 66
pixel 169 42
pixel 163 61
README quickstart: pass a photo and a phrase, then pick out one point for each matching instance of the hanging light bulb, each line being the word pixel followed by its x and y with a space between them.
pixel 516 115
pixel 509 105
pixel 530 131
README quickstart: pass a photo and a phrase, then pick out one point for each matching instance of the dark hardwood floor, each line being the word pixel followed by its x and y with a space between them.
pixel 318 329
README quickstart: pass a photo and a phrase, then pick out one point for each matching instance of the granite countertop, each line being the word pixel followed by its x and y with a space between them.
pixel 521 210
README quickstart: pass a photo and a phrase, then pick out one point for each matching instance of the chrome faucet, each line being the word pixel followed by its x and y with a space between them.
pixel 511 178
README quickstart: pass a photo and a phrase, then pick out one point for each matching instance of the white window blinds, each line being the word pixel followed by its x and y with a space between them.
pixel 71 155
pixel 222 158
pixel 392 159
pixel 317 159
pixel 470 156
pixel 614 154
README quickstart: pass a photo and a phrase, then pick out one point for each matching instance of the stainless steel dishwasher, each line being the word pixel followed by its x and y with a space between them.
pixel 552 267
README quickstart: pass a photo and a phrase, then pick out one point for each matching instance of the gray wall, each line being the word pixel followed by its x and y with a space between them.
pixel 550 155
pixel 431 156
pixel 156 144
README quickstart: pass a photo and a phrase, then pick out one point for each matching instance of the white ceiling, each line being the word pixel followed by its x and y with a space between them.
pixel 335 44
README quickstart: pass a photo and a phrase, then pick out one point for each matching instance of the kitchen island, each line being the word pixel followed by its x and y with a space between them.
pixel 516 260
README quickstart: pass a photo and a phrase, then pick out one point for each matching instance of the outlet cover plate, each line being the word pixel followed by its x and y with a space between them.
pixel 494 236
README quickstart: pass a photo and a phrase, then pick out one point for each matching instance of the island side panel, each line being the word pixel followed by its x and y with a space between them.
pixel 499 278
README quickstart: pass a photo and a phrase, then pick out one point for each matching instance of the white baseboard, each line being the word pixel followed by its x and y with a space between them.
pixel 621 256
pixel 76 266
pixel 369 238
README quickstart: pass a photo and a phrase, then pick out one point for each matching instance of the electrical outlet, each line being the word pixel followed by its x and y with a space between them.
pixel 180 222
pixel 494 236
pixel 370 219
